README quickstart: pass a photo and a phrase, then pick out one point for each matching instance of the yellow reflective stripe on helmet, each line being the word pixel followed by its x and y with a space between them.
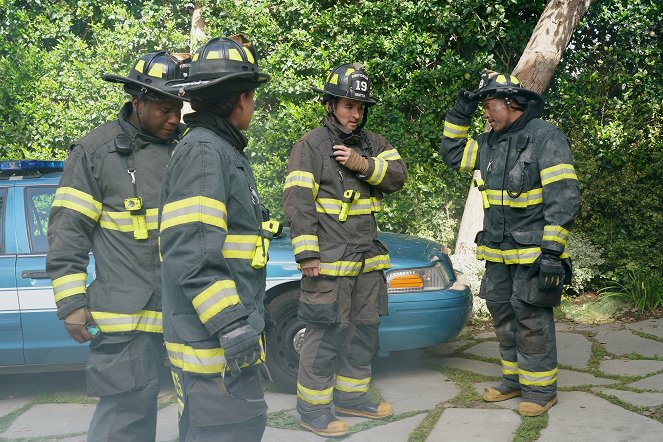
pixel 340 268
pixel 378 262
pixel 123 221
pixel 305 243
pixel 249 55
pixel 557 173
pixel 79 201
pixel 469 158
pixel 215 298
pixel 537 378
pixel 157 70
pixel 196 209
pixel 142 320
pixel 315 397
pixel 333 79
pixel 379 171
pixel 69 285
pixel 349 71
pixel 509 367
pixel 239 246
pixel 195 56
pixel 214 55
pixel 301 179
pixel 525 199
pixel 557 234
pixel 501 79
pixel 140 66
pixel 454 130
pixel 202 360
pixel 350 385
pixel 233 54
pixel 390 155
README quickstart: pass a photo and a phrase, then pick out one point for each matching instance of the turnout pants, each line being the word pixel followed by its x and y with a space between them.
pixel 342 317
pixel 223 409
pixel 526 332
pixel 123 371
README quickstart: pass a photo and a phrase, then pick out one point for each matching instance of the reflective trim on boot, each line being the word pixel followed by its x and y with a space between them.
pixel 368 410
pixel 325 425
pixel 494 395
pixel 533 409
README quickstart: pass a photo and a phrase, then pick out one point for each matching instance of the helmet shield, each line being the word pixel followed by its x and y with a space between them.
pixel 151 73
pixel 500 85
pixel 221 66
pixel 348 81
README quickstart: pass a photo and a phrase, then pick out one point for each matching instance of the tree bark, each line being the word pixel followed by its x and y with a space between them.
pixel 196 37
pixel 535 68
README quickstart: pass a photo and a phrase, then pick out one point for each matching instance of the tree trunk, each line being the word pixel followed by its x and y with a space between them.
pixel 535 68
pixel 197 36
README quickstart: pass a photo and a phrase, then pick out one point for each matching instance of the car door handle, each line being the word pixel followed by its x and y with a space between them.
pixel 35 274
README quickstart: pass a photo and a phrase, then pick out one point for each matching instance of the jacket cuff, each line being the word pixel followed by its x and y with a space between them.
pixel 306 255
pixel 228 316
pixel 71 305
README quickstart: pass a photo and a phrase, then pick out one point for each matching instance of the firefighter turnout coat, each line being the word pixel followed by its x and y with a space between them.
pixel 107 203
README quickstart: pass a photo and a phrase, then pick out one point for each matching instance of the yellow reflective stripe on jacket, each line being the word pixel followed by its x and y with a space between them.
pixel 390 155
pixel 197 209
pixel 123 222
pixel 239 246
pixel 202 360
pixel 215 298
pixel 379 171
pixel 454 130
pixel 305 243
pixel 557 173
pixel 351 385
pixel 525 199
pixel 315 397
pixel 378 262
pixel 363 206
pixel 538 378
pixel 557 234
pixel 469 158
pixel 142 320
pixel 301 179
pixel 509 367
pixel 79 201
pixel 511 256
pixel 196 360
pixel 340 268
pixel 69 285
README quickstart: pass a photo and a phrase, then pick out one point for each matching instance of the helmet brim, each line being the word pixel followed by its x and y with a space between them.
pixel 112 78
pixel 369 101
pixel 218 87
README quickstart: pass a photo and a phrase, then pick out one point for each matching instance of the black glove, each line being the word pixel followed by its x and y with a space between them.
pixel 550 269
pixel 241 345
pixel 466 103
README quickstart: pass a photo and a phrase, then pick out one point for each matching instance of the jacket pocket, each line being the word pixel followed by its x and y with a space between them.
pixel 318 300
pixel 117 297
pixel 189 328
pixel 527 237
pixel 115 366
pixel 330 252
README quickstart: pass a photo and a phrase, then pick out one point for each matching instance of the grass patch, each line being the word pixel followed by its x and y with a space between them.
pixel 530 428
pixel 6 420
pixel 646 335
pixel 589 311
pixel 468 397
pixel 598 353
pixel 655 413
pixel 283 420
pixel 420 434
pixel 63 399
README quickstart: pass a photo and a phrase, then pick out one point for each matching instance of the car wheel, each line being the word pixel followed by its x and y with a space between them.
pixel 285 340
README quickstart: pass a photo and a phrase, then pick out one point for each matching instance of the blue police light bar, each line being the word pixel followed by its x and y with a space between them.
pixel 19 166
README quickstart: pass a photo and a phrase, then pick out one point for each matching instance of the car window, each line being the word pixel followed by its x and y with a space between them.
pixel 3 200
pixel 38 204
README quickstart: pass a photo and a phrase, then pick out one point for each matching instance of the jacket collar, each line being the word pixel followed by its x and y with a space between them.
pixel 219 125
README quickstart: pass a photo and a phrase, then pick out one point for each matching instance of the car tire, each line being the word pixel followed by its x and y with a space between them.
pixel 284 340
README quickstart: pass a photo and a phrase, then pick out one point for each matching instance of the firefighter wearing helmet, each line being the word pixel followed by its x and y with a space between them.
pixel 530 195
pixel 215 235
pixel 106 202
pixel 337 175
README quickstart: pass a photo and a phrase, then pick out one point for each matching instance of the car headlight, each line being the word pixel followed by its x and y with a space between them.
pixel 418 279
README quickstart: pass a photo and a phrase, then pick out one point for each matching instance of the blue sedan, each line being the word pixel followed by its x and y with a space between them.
pixel 427 306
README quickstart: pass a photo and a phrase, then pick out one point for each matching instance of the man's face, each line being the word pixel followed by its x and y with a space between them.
pixel 349 112
pixel 159 119
pixel 497 114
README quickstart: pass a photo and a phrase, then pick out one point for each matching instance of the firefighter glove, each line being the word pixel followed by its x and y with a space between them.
pixel 241 346
pixel 357 163
pixel 466 103
pixel 550 270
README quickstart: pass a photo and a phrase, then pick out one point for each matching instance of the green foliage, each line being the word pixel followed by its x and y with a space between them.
pixel 587 260
pixel 644 291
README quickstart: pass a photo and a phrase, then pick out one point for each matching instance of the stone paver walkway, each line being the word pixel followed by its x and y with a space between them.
pixel 607 400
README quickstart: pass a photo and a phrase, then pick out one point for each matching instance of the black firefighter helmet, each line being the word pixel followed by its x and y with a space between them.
pixel 348 81
pixel 151 73
pixel 498 85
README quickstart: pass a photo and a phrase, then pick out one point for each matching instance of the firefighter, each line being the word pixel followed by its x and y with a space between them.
pixel 106 203
pixel 214 239
pixel 530 195
pixel 337 175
